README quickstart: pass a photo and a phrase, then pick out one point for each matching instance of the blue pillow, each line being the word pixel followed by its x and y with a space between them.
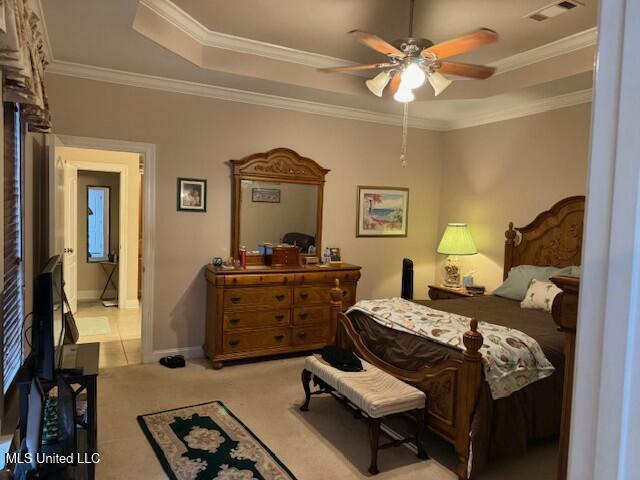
pixel 519 278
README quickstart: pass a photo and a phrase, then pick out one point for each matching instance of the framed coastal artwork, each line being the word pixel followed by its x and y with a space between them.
pixel 382 212
pixel 192 195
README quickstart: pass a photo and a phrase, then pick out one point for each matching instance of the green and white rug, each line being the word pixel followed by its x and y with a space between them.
pixel 208 442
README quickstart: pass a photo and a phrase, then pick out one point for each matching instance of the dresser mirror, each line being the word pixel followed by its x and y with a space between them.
pixel 277 199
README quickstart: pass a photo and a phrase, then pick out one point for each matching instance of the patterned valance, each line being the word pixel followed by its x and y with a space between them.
pixel 23 60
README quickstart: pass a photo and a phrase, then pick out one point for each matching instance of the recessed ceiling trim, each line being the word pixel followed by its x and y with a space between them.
pixel 120 77
pixel 577 41
pixel 185 22
pixel 524 110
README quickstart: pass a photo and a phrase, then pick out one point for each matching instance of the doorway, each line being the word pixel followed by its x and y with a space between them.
pixel 99 227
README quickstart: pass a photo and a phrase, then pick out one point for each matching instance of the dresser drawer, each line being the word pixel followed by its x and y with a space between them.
pixel 307 315
pixel 327 277
pixel 310 335
pixel 240 280
pixel 271 318
pixel 238 297
pixel 256 340
pixel 311 295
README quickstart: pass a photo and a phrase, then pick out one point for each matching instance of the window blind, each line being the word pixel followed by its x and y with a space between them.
pixel 13 295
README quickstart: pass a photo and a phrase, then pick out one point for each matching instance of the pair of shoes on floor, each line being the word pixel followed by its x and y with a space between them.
pixel 176 361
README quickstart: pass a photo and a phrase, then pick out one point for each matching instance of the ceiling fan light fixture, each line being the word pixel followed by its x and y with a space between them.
pixel 413 76
pixel 404 94
pixel 377 84
pixel 439 82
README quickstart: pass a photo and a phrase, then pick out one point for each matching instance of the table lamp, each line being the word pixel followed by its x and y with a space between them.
pixel 455 241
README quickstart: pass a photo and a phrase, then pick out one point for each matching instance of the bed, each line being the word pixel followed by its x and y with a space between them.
pixel 460 407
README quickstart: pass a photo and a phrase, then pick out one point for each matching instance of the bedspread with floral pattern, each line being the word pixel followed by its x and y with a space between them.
pixel 511 359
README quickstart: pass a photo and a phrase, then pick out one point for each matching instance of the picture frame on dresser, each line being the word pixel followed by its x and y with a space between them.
pixel 382 211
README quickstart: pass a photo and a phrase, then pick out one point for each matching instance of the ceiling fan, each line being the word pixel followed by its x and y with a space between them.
pixel 412 61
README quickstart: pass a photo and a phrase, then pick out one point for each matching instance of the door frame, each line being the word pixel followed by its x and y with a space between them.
pixel 148 152
pixel 123 222
pixel 605 425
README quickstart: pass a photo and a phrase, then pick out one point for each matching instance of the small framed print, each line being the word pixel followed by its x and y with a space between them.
pixel 265 195
pixel 382 212
pixel 192 195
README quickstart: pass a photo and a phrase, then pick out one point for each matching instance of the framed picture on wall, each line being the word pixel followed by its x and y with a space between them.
pixel 382 212
pixel 192 195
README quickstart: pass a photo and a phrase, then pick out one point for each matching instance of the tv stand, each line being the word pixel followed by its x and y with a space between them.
pixel 83 377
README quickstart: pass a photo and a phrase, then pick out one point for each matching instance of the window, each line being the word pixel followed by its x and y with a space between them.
pixel 13 295
pixel 98 224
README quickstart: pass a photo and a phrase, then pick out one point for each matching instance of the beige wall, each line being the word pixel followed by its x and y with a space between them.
pixel 131 161
pixel 269 222
pixel 91 276
pixel 194 138
pixel 510 171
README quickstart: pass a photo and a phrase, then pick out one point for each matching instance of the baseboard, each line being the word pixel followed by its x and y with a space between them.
pixel 92 294
pixel 186 352
pixel 132 303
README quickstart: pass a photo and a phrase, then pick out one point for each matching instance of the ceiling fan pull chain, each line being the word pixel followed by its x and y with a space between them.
pixel 405 126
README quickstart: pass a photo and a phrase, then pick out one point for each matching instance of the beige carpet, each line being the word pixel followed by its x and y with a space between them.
pixel 324 443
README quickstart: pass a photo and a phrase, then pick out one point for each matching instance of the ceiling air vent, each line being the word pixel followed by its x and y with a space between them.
pixel 553 10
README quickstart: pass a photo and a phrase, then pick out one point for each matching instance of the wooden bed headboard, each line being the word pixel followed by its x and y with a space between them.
pixel 553 238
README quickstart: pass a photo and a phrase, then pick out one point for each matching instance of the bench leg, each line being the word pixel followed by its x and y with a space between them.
pixel 306 380
pixel 420 434
pixel 374 438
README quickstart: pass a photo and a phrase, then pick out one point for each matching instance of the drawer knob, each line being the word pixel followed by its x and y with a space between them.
pixel 234 321
pixel 279 317
pixel 304 296
pixel 234 343
pixel 302 316
pixel 235 299
pixel 280 297
pixel 302 334
pixel 278 337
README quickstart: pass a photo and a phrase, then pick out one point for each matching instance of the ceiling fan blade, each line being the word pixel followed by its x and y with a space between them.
pixel 355 68
pixel 375 42
pixel 466 70
pixel 392 88
pixel 466 43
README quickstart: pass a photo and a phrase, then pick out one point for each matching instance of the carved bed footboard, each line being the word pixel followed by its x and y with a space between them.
pixel 452 387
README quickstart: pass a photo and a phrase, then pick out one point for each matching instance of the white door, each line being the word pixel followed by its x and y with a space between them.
pixel 56 200
pixel 71 235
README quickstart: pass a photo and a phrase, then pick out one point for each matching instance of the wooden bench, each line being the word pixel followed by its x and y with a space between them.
pixel 372 392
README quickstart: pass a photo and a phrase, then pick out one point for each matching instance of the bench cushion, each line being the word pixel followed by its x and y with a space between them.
pixel 373 391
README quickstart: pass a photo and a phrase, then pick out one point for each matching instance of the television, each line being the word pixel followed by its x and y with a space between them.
pixel 47 327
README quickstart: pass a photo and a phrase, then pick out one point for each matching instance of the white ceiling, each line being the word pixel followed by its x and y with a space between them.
pixel 181 40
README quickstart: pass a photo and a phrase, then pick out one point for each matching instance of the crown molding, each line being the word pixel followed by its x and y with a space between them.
pixel 577 41
pixel 48 50
pixel 526 109
pixel 209 38
pixel 120 77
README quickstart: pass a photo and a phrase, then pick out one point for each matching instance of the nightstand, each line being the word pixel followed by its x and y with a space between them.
pixel 437 292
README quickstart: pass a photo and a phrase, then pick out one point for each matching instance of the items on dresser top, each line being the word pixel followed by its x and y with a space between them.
pixel 264 310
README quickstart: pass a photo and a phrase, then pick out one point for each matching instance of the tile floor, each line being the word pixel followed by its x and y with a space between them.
pixel 120 343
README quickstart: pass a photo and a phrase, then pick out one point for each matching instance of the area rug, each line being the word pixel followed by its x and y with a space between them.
pixel 89 326
pixel 209 442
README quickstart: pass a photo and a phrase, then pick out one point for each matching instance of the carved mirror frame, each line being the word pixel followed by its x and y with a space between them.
pixel 281 165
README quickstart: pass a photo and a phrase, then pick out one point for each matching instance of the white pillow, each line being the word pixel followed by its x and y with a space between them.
pixel 540 295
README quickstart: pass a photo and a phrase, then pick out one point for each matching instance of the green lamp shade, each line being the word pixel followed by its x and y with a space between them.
pixel 457 240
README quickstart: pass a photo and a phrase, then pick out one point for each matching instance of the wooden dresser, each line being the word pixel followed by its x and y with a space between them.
pixel 265 310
